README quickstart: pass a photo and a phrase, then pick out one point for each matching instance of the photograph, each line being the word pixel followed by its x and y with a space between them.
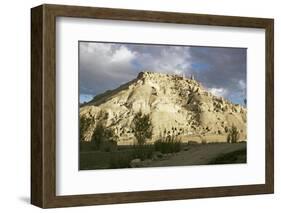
pixel 159 105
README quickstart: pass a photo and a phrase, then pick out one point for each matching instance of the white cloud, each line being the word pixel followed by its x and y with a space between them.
pixel 107 65
pixel 222 92
pixel 102 49
pixel 242 84
pixel 169 60
pixel 104 60
pixel 122 55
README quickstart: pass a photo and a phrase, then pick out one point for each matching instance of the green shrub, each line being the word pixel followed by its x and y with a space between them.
pixel 233 135
pixel 86 146
pixel 204 141
pixel 104 138
pixel 84 125
pixel 228 139
pixel 120 160
pixel 142 127
pixel 169 144
pixel 238 156
pixel 143 151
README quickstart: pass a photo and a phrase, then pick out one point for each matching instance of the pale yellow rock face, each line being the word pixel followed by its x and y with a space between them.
pixel 177 106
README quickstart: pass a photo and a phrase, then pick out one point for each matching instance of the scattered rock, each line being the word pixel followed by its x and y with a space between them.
pixel 157 155
pixel 136 163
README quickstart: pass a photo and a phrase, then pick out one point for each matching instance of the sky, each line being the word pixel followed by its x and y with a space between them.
pixel 104 66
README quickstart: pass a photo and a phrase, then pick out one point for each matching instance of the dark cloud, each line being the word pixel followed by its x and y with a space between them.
pixel 104 66
pixel 223 68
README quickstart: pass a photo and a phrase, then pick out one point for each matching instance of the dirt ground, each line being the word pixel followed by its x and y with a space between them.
pixel 200 155
pixel 190 154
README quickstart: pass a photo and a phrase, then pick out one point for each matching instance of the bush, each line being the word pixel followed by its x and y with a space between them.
pixel 169 144
pixel 84 126
pixel 204 141
pixel 104 138
pixel 120 160
pixel 108 146
pixel 142 127
pixel 228 139
pixel 143 151
pixel 238 156
pixel 86 146
pixel 233 135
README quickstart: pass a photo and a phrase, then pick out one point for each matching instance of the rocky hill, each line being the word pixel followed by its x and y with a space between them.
pixel 177 106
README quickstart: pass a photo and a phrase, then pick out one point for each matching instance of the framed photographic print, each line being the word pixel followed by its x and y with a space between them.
pixel 137 106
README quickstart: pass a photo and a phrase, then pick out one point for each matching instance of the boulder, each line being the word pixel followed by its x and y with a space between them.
pixel 136 163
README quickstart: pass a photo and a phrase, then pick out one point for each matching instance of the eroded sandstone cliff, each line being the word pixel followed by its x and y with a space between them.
pixel 177 106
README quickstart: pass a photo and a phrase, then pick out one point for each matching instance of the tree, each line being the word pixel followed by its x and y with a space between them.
pixel 142 127
pixel 228 138
pixel 104 138
pixel 233 135
pixel 84 126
